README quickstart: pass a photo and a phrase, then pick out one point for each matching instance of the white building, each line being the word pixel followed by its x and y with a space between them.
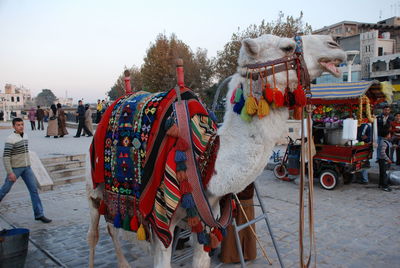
pixel 13 99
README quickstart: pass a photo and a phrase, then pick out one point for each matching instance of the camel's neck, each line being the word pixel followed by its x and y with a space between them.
pixel 245 148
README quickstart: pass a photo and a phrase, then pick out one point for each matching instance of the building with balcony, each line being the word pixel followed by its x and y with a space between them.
pixel 13 99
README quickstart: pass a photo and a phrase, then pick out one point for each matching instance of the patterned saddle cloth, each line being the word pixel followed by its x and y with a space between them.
pixel 133 155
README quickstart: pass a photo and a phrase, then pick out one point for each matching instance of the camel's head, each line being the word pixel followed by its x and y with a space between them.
pixel 321 53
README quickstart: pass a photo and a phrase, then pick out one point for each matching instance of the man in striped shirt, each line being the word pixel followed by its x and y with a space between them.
pixel 17 163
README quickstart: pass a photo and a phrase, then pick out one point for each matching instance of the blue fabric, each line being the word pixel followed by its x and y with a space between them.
pixel 29 178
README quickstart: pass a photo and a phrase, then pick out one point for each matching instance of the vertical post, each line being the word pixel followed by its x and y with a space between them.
pixel 180 73
pixel 128 89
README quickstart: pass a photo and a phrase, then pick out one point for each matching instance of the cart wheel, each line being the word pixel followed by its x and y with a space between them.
pixel 328 179
pixel 280 171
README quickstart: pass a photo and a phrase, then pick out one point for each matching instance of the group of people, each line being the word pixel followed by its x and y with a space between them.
pixel 100 109
pixel 85 122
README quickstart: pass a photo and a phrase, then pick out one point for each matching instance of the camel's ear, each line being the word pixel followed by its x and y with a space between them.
pixel 252 48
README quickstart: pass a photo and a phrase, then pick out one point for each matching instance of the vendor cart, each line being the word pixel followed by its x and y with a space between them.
pixel 335 156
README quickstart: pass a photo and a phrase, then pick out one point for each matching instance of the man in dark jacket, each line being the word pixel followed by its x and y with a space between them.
pixel 384 122
pixel 80 113
pixel 40 116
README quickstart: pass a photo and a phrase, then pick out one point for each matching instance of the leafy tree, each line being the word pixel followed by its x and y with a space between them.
pixel 118 89
pixel 45 98
pixel 226 60
pixel 158 70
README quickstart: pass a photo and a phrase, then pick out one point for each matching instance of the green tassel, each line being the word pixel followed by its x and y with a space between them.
pixel 245 116
pixel 126 224
pixel 238 95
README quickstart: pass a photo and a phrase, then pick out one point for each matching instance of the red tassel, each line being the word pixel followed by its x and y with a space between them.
pixel 206 248
pixel 173 131
pixel 134 223
pixel 185 187
pixel 181 175
pixel 217 233
pixel 300 96
pixel 214 242
pixel 193 221
pixel 197 228
pixel 278 98
pixel 269 94
pixel 102 208
pixel 233 96
pixel 181 145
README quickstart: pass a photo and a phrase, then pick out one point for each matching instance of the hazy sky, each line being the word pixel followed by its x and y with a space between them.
pixel 82 46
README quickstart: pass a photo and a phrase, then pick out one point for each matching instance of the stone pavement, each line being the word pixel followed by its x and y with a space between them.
pixel 355 225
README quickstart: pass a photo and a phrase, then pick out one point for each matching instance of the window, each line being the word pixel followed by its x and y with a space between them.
pixel 12 99
pixel 17 99
pixel 380 51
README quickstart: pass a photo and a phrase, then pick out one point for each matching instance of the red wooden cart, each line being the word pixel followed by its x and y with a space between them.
pixel 333 157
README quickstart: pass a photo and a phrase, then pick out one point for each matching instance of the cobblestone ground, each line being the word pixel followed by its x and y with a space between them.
pixel 355 226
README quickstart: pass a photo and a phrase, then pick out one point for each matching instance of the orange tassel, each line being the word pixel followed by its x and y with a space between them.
pixel 214 242
pixel 134 224
pixel 297 112
pixel 181 145
pixel 102 208
pixel 193 221
pixel 300 96
pixel 173 131
pixel 269 94
pixel 181 175
pixel 263 108
pixel 278 98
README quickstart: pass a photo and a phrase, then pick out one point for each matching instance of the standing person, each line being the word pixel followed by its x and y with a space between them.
pixel 384 120
pixel 384 160
pixel 80 113
pixel 104 106
pixel 364 134
pixel 32 118
pixel 88 120
pixel 17 163
pixel 395 132
pixel 52 127
pixel 99 110
pixel 62 128
pixel 46 114
pixel 40 117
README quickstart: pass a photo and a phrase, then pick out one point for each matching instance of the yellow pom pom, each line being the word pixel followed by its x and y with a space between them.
pixel 141 233
pixel 251 105
pixel 245 116
pixel 263 108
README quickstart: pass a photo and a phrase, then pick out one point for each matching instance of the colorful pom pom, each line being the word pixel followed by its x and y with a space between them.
pixel 263 108
pixel 206 248
pixel 180 156
pixel 217 233
pixel 289 99
pixel 134 224
pixel 238 95
pixel 187 201
pixel 191 212
pixel 141 233
pixel 245 116
pixel 173 131
pixel 198 228
pixel 300 96
pixel 203 238
pixel 251 105
pixel 181 175
pixel 181 145
pixel 214 242
pixel 238 107
pixel 185 187
pixel 193 221
pixel 181 166
pixel 269 94
pixel 278 98
pixel 126 223
pixel 232 100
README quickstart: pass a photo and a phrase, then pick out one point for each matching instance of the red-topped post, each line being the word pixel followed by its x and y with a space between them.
pixel 127 79
pixel 179 73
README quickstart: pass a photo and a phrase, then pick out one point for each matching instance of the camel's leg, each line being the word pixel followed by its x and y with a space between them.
pixel 161 255
pixel 201 259
pixel 113 232
pixel 93 233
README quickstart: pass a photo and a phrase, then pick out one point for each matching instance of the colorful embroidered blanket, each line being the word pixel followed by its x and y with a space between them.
pixel 138 173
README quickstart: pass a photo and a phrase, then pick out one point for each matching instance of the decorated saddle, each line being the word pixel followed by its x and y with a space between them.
pixel 138 154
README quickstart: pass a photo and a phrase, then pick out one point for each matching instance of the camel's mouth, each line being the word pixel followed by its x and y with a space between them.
pixel 331 66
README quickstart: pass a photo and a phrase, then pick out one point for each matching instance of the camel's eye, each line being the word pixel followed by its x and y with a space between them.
pixel 333 44
pixel 287 49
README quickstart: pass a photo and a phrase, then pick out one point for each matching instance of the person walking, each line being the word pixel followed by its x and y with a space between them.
pixel 384 121
pixel 62 126
pixel 364 134
pixel 32 118
pixel 80 113
pixel 384 160
pixel 52 126
pixel 17 164
pixel 99 109
pixel 40 117
pixel 88 119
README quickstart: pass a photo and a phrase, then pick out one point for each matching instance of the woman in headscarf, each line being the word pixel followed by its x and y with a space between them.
pixel 32 117
pixel 88 119
pixel 62 128
pixel 52 127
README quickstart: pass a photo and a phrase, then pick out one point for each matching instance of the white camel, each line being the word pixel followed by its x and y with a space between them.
pixel 244 147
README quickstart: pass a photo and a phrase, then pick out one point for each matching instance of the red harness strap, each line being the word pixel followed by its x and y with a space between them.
pixel 202 205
